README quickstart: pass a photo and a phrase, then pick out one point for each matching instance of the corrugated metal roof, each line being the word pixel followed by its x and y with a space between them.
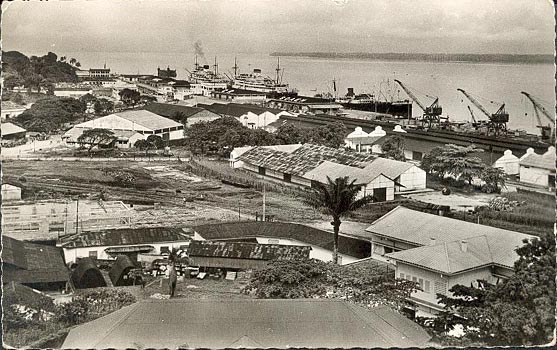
pixel 334 170
pixel 10 105
pixel 303 159
pixel 270 323
pixel 32 263
pixel 389 167
pixel 248 250
pixel 169 110
pixel 148 119
pixel 10 129
pixel 125 236
pixel 237 109
pixel 305 234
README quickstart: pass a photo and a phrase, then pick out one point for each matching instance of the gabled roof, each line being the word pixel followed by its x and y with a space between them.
pixel 545 161
pixel 32 263
pixel 389 167
pixel 10 129
pixel 305 234
pixel 170 110
pixel 253 251
pixel 303 159
pixel 148 119
pixel 420 227
pixel 125 236
pixel 263 323
pixel 335 170
pixel 10 105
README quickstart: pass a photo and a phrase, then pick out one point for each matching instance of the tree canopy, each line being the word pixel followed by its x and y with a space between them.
pixel 336 198
pixel 367 284
pixel 518 311
pixel 129 97
pixel 393 148
pixel 50 114
pixel 35 72
pixel 96 137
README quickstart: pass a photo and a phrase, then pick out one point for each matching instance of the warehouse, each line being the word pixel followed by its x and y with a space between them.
pixel 192 115
pixel 137 121
pixel 10 193
pixel 108 244
pixel 11 132
pixel 539 170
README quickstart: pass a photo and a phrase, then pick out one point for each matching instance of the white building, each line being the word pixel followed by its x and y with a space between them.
pixel 538 169
pixel 108 244
pixel 11 110
pixel 130 123
pixel 10 193
pixel 407 176
pixel 361 141
pixel 509 163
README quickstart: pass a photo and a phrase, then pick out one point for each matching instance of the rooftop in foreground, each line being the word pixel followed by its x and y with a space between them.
pixel 275 323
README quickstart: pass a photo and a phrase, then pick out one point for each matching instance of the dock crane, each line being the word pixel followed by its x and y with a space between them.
pixel 474 121
pixel 497 121
pixel 548 129
pixel 432 113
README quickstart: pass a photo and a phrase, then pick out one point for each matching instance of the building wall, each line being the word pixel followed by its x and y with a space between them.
pixel 72 254
pixel 379 182
pixel 72 93
pixel 509 166
pixel 412 179
pixel 382 246
pixel 228 263
pixel 535 176
pixel 11 193
pixel 11 113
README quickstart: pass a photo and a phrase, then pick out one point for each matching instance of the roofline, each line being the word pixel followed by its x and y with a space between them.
pixel 445 272
pixel 117 245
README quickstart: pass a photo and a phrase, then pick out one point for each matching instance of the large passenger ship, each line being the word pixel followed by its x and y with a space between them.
pixel 256 81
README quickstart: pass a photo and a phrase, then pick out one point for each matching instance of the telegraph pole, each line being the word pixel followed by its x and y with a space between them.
pixel 263 200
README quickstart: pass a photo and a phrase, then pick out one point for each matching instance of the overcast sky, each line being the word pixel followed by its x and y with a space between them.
pixel 263 26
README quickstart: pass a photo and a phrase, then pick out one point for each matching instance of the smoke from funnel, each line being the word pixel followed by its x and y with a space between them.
pixel 199 50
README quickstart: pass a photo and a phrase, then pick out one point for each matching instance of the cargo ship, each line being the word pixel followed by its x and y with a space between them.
pixel 369 103
pixel 256 81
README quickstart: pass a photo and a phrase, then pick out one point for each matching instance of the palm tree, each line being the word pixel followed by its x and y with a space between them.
pixel 337 198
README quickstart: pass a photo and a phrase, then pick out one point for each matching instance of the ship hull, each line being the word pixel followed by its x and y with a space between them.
pixel 399 109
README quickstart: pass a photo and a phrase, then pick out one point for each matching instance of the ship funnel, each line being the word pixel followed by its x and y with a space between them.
pixel 350 92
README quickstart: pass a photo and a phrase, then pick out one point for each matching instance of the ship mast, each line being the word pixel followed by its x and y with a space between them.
pixel 196 65
pixel 235 68
pixel 278 70
pixel 216 66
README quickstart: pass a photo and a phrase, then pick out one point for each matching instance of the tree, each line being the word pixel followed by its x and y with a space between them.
pixel 50 114
pixel 77 64
pixel 455 161
pixel 102 106
pixel 494 179
pixel 156 141
pixel 73 61
pixel 148 99
pixel 290 134
pixel 129 97
pixel 337 198
pixel 95 137
pixel 143 145
pixel 63 59
pixel 393 148
pixel 518 311
pixel 330 135
pixel 179 116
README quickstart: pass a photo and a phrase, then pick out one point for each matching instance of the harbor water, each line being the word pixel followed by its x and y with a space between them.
pixel 492 84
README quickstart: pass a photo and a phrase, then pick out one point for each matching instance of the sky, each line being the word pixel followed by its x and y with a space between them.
pixel 264 26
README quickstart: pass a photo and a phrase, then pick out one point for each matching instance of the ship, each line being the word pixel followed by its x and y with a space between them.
pixel 208 79
pixel 256 81
pixel 370 103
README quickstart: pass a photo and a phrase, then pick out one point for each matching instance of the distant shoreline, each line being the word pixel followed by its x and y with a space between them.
pixel 456 58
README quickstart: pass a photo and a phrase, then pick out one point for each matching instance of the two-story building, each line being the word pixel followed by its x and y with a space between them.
pixel 438 253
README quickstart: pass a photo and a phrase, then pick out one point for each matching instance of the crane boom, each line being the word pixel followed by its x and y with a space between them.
pixel 539 107
pixel 476 103
pixel 412 96
pixel 472 114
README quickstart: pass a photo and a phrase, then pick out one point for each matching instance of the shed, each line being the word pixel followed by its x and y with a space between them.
pixel 538 169
pixel 10 192
pixel 87 275
pixel 509 163
pixel 11 131
pixel 119 272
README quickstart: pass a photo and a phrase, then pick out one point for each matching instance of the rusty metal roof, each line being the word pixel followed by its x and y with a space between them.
pixel 252 251
pixel 125 236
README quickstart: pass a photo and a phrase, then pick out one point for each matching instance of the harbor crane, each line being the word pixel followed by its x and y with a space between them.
pixel 497 121
pixel 432 113
pixel 547 130
pixel 474 121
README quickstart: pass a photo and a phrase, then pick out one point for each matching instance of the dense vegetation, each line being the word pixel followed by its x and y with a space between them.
pixel 222 135
pixel 518 311
pixel 369 284
pixel 458 166
pixel 28 320
pixel 36 73
pixel 51 114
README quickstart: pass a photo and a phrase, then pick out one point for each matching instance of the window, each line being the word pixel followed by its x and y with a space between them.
pixel 401 276
pixel 273 241
pixel 93 254
pixel 261 170
pixel 426 286
pixel 414 279
pixel 417 155
pixel 287 177
pixel 165 250
pixel 421 282
pixel 388 250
